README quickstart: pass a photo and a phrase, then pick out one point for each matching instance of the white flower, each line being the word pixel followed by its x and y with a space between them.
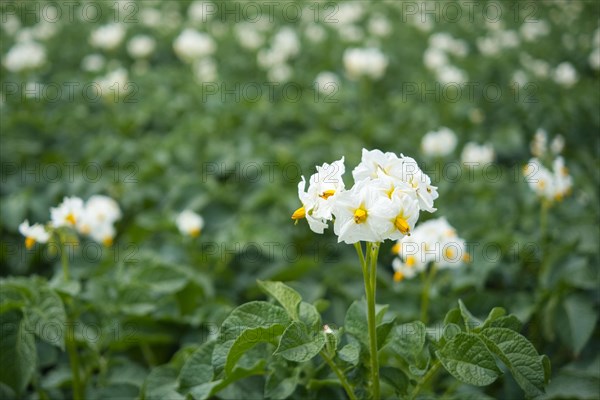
pixel 432 242
pixel 594 59
pixel 198 11
pixel 104 233
pixel 451 74
pixel 402 211
pixel 361 214
pixel 26 55
pixel 189 223
pixel 11 24
pixel 113 84
pixel 67 213
pixel 191 45
pixel 141 46
pixel 327 83
pixel 315 33
pixel 369 62
pixel 327 330
pixel 286 43
pixel 280 73
pixel 477 155
pixel 565 75
pixel 248 35
pixel 93 62
pixel 317 201
pixel 34 233
pixel 539 144
pixel 379 25
pixel 150 17
pixel 205 70
pixel 557 145
pixel 439 143
pixel 108 37
pixel 551 185
pixel 434 58
pixel 531 31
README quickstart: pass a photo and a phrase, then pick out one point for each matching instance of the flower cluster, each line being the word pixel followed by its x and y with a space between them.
pixel 94 218
pixel 189 223
pixel 439 143
pixel 384 203
pixel 433 242
pixel 552 184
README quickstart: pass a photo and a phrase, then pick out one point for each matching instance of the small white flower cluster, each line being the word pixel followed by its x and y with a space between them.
pixel 497 41
pixel 114 83
pixel 439 143
pixel 368 62
pixel 327 83
pixel 108 37
pixel 384 203
pixel 436 59
pixel 94 218
pixel 435 242
pixel 552 185
pixel 594 58
pixel 565 75
pixel 477 155
pixel 141 46
pixel 25 55
pixel 284 46
pixel 189 223
pixel 192 45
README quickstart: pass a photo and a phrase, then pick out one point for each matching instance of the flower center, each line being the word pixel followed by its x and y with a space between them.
pixel 402 225
pixel 195 232
pixel 398 276
pixel 410 261
pixel 71 218
pixel 107 241
pixel 327 194
pixel 299 213
pixel 29 242
pixel 360 215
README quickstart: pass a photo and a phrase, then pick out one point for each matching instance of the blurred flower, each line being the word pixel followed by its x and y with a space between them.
pixel 191 45
pixel 435 242
pixel 100 214
pixel 141 46
pixel 451 74
pixel 68 213
pixel 531 31
pixel 369 62
pixel 379 25
pixel 35 233
pixel 93 62
pixel 197 11
pixel 434 58
pixel 108 37
pixel 248 35
pixel 477 155
pixel 594 59
pixel 280 73
pixel 150 17
pixel 315 33
pixel 439 143
pixel 539 144
pixel 205 70
pixel 189 223
pixel 557 145
pixel 114 84
pixel 327 83
pixel 551 185
pixel 26 55
pixel 565 75
pixel 10 24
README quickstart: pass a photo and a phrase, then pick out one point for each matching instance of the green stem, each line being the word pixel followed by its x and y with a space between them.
pixel 434 368
pixel 425 294
pixel 64 258
pixel 543 233
pixel 74 361
pixel 370 289
pixel 340 375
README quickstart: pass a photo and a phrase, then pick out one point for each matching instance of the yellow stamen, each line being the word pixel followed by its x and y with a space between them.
pixel 398 276
pixel 360 215
pixel 396 248
pixel 410 261
pixel 107 241
pixel 327 194
pixel 390 192
pixel 85 229
pixel 467 257
pixel 29 242
pixel 299 213
pixel 541 184
pixel 195 232
pixel 402 225
pixel 71 219
pixel 448 253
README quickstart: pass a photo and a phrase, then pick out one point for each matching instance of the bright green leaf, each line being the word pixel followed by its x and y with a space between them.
pixel 299 345
pixel 17 351
pixel 285 295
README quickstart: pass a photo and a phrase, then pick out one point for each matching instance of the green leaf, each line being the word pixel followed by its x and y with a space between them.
pixel 161 383
pixel 356 321
pixel 310 316
pixel 581 320
pixel 198 369
pixel 383 331
pixel 17 351
pixel 248 339
pixel 407 340
pixel 350 353
pixel 519 355
pixel 496 313
pixel 280 384
pixel 509 322
pixel 470 321
pixel 285 295
pixel 264 319
pixel 299 345
pixel 467 358
pixel 395 378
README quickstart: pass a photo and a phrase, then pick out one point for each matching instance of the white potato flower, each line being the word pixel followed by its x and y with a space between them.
pixel 327 83
pixel 369 62
pixel 439 143
pixel 93 62
pixel 477 155
pixel 565 75
pixel 35 233
pixel 25 55
pixel 141 46
pixel 551 185
pixel 189 223
pixel 108 37
pixel 192 45
pixel 68 213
